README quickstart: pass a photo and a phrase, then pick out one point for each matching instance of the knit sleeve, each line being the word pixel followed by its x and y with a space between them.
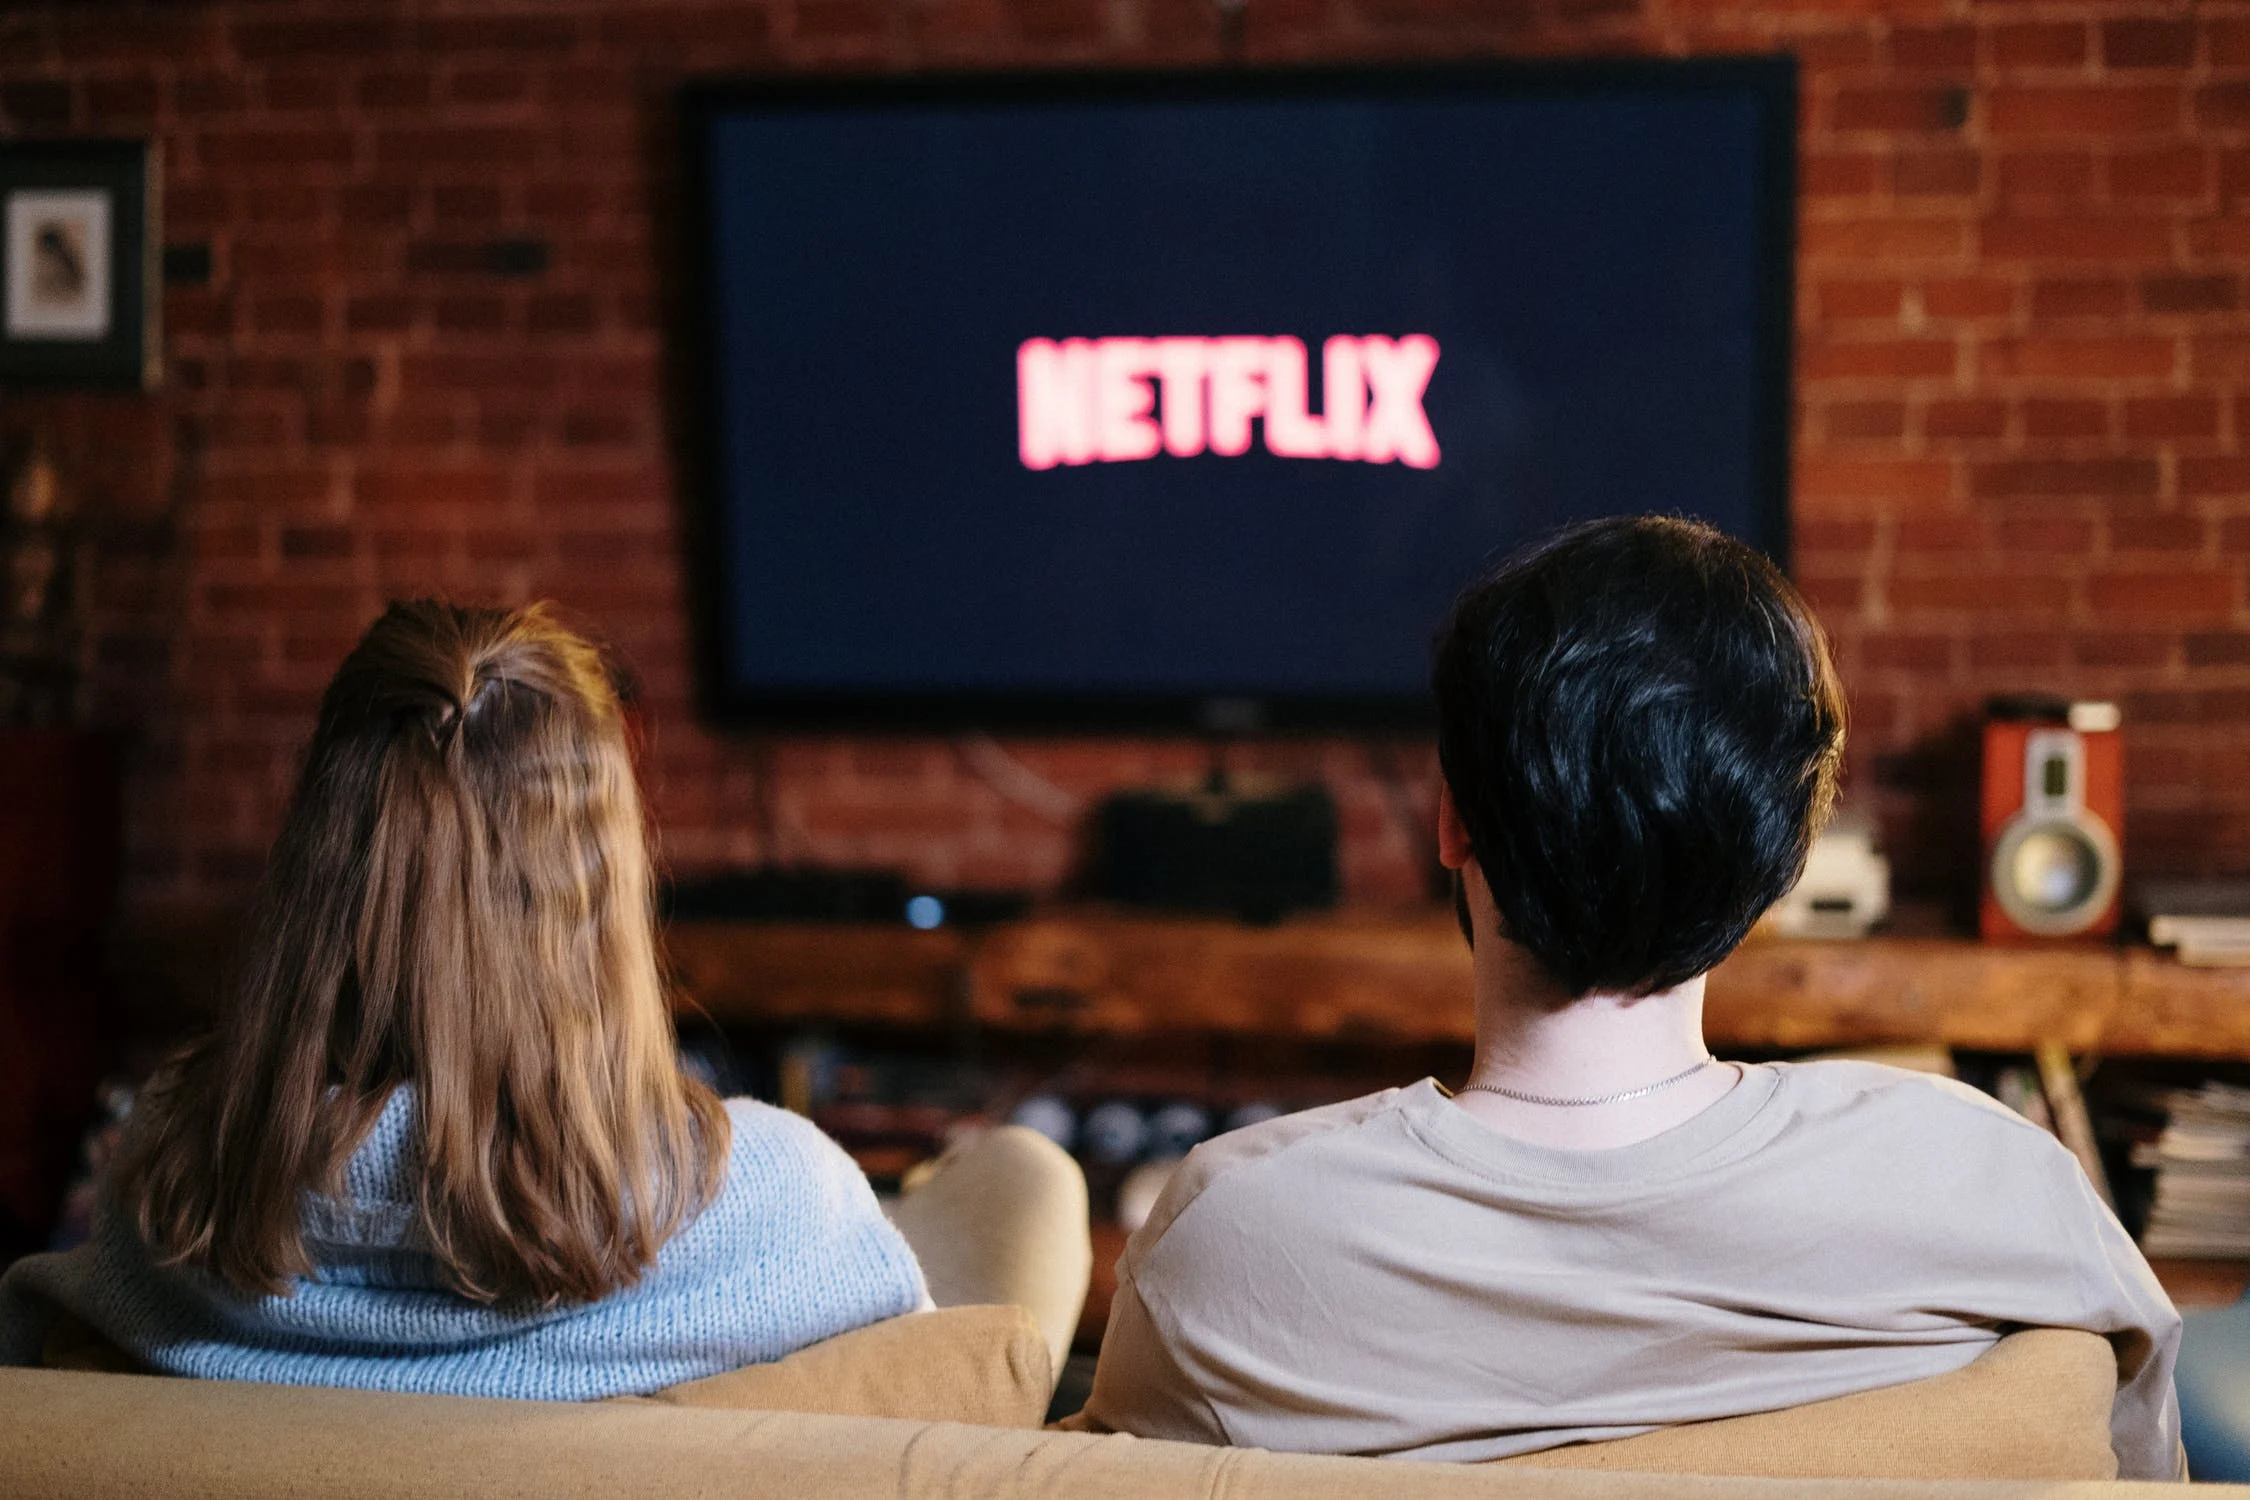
pixel 820 1254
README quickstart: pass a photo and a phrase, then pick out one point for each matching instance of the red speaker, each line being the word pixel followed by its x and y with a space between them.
pixel 2054 821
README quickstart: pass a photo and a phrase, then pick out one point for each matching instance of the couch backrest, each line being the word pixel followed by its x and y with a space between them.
pixel 2034 1406
pixel 109 1437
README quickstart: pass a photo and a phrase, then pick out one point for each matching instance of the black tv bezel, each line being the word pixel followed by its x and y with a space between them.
pixel 1772 80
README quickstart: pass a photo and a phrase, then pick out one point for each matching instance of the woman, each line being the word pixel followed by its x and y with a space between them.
pixel 440 1140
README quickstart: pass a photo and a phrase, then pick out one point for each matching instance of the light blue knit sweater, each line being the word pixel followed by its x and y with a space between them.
pixel 792 1250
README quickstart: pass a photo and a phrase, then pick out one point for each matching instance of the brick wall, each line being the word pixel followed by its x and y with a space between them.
pixel 2024 385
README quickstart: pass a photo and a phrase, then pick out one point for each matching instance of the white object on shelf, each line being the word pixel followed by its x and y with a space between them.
pixel 2205 942
pixel 1845 891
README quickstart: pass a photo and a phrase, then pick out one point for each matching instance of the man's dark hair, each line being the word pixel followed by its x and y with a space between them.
pixel 1641 728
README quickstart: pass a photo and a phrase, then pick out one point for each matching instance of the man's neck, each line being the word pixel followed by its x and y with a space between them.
pixel 1533 1040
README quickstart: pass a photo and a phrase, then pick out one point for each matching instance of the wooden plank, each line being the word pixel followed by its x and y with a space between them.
pixel 1404 979
pixel 866 973
pixel 1782 993
pixel 2168 1009
pixel 2202 1283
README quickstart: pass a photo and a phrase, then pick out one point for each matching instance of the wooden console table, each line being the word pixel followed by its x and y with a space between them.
pixel 1405 978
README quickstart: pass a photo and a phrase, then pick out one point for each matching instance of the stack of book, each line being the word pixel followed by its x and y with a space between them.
pixel 2201 1207
pixel 2206 921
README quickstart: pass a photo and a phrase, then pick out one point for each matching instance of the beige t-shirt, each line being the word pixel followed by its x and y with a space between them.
pixel 1388 1276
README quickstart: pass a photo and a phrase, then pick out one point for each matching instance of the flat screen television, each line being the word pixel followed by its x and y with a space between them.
pixel 1189 401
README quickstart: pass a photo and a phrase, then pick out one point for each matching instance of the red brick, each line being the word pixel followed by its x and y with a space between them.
pixel 2017 650
pixel 2223 106
pixel 437 492
pixel 2093 297
pixel 518 34
pixel 2123 649
pixel 387 89
pixel 1948 537
pixel 2039 44
pixel 469 313
pixel 1894 358
pixel 359 39
pixel 1842 300
pixel 1833 174
pixel 2174 592
pixel 300 543
pixel 2171 417
pixel 1907 481
pixel 2030 175
pixel 487 86
pixel 2227 648
pixel 1968 297
pixel 1914 108
pixel 1909 653
pixel 1883 240
pixel 1865 421
pixel 2077 358
pixel 1981 594
pixel 475 203
pixel 2044 534
pixel 2077 237
pixel 382 313
pixel 2087 109
pixel 2219 356
pixel 209 95
pixel 2158 533
pixel 1833 536
pixel 2065 419
pixel 2142 42
pixel 489 148
pixel 2014 478
pixel 115 102
pixel 1965 419
pixel 2168 172
pixel 1833 595
pixel 560 314
pixel 2227 41
pixel 1930 174
pixel 1947 48
pixel 287 315
pixel 2190 294
pixel 275 150
pixel 376 204
pixel 2215 475
pixel 37 103
pixel 2222 238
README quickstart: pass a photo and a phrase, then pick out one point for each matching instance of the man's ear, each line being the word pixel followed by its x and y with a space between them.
pixel 1453 850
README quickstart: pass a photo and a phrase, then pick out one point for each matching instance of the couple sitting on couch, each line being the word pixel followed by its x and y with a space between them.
pixel 440 1143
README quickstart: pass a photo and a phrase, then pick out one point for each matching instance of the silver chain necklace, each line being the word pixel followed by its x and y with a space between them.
pixel 1647 1088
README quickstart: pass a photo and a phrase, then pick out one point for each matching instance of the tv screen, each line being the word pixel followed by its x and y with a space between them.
pixel 1192 400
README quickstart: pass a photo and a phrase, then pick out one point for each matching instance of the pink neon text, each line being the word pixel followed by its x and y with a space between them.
pixel 1083 400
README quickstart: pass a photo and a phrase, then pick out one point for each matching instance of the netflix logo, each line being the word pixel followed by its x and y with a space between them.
pixel 1122 399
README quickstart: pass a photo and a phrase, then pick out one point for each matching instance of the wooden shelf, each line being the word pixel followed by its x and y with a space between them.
pixel 867 973
pixel 1405 978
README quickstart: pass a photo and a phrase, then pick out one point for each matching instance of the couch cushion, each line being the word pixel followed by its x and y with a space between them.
pixel 2034 1406
pixel 129 1437
pixel 983 1365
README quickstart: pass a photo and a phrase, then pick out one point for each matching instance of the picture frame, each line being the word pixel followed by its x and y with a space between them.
pixel 80 237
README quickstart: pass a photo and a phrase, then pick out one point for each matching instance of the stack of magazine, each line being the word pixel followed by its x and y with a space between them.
pixel 2201 1207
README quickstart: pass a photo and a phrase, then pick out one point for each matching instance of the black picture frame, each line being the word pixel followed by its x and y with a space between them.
pixel 1770 79
pixel 80 237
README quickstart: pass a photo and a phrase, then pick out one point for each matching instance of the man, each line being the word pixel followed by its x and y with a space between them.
pixel 1605 1230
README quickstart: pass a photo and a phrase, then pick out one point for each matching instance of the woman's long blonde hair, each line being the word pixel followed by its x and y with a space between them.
pixel 459 901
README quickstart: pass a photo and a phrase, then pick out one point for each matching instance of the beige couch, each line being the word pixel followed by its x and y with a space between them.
pixel 2035 1408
